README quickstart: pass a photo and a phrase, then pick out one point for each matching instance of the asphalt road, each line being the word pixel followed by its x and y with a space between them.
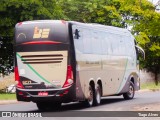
pixel 143 101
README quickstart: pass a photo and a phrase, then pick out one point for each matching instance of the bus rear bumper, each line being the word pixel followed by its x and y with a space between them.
pixel 40 95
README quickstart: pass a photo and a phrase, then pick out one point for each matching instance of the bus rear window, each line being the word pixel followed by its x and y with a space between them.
pixel 32 32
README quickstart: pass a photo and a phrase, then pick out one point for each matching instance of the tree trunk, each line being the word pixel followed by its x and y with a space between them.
pixel 156 78
pixel 156 75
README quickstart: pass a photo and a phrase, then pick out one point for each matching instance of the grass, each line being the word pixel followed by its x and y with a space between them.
pixel 150 85
pixel 7 96
pixel 5 82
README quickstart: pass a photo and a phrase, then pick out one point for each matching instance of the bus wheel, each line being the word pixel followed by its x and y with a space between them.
pixel 48 106
pixel 98 95
pixel 130 93
pixel 89 101
pixel 42 106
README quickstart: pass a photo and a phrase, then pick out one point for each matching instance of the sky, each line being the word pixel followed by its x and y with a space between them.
pixel 154 1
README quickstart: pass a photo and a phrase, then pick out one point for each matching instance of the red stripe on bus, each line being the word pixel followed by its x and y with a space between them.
pixel 41 42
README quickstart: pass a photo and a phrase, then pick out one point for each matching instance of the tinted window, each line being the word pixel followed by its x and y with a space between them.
pixel 96 42
pixel 87 41
pixel 122 49
pixel 41 31
pixel 129 46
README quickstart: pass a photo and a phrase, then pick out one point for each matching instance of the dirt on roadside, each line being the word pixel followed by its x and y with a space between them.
pixel 4 102
pixel 149 107
pixel 6 81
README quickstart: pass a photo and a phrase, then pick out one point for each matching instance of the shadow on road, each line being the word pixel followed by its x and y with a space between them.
pixel 81 106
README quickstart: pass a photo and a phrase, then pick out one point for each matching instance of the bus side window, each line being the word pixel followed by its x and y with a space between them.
pixel 122 46
pixel 115 44
pixel 106 43
pixel 132 47
pixel 96 42
pixel 128 46
pixel 87 41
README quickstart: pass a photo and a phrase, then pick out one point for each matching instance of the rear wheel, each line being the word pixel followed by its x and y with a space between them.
pixel 48 106
pixel 98 95
pixel 42 106
pixel 130 93
pixel 90 99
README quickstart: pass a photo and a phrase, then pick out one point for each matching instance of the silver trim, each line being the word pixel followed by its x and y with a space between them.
pixel 31 84
pixel 30 95
pixel 27 90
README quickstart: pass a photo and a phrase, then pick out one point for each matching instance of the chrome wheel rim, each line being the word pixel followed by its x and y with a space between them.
pixel 98 97
pixel 131 91
pixel 90 99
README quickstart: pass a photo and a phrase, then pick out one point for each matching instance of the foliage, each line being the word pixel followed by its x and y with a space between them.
pixel 93 11
pixel 149 38
pixel 139 15
pixel 150 86
pixel 14 11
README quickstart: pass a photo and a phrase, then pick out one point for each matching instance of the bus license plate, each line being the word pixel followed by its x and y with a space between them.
pixel 43 94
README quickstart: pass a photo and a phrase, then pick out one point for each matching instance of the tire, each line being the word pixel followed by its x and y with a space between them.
pixel 90 101
pixel 98 93
pixel 47 106
pixel 130 94
pixel 42 106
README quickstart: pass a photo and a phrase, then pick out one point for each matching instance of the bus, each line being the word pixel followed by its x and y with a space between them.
pixel 59 61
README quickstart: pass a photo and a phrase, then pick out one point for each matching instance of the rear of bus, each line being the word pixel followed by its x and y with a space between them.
pixel 43 69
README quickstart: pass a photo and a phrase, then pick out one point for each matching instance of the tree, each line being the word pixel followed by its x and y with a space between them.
pixel 92 11
pixel 150 27
pixel 14 11
pixel 139 15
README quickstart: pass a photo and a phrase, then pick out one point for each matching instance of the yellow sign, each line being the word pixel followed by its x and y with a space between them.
pixel 26 82
pixel 41 33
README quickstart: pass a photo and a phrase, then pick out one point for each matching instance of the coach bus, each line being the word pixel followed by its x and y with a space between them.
pixel 60 61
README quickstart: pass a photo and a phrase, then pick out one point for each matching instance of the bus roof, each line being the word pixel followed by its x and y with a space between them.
pixel 112 29
pixel 117 30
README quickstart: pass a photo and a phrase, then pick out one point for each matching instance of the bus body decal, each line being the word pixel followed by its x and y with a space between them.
pixel 48 67
pixel 35 71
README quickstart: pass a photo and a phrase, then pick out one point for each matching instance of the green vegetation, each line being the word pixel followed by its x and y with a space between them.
pixel 150 85
pixel 8 96
pixel 140 14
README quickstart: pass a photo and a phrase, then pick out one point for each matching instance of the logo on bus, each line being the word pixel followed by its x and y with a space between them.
pixel 41 33
pixel 26 82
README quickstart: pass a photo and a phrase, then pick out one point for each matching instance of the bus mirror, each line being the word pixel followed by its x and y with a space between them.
pixel 140 50
pixel 76 34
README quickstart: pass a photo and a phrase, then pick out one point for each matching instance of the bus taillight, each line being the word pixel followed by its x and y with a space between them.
pixel 17 78
pixel 69 77
pixel 16 74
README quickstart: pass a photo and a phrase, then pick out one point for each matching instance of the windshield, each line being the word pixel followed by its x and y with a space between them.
pixel 41 31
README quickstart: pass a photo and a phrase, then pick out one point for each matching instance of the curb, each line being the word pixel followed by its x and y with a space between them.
pixel 3 102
